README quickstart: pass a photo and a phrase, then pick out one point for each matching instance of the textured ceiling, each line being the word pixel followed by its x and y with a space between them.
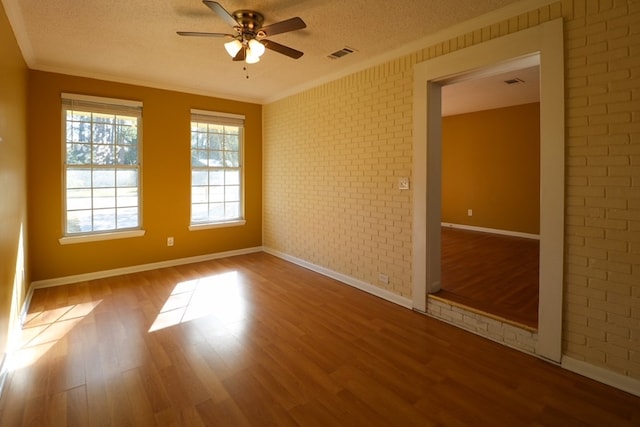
pixel 136 42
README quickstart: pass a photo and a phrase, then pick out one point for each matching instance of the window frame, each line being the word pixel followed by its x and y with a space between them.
pixel 95 104
pixel 225 119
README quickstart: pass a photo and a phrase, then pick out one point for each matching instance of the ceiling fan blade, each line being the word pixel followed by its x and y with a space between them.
pixel 291 24
pixel 242 53
pixel 221 11
pixel 199 34
pixel 285 50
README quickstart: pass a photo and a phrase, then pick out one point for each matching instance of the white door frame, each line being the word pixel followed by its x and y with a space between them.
pixel 545 42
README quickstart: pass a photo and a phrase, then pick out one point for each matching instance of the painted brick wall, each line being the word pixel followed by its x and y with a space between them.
pixel 332 165
pixel 333 154
pixel 602 264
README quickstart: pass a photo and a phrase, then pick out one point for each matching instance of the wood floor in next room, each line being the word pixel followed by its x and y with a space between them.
pixel 492 273
pixel 253 340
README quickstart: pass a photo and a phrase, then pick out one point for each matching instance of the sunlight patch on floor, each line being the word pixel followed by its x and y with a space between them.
pixel 42 330
pixel 218 295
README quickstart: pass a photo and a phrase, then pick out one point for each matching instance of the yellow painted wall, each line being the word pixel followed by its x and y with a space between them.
pixel 491 164
pixel 13 181
pixel 333 154
pixel 166 178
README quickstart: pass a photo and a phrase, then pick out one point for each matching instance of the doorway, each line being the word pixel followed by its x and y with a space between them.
pixel 490 195
pixel 542 43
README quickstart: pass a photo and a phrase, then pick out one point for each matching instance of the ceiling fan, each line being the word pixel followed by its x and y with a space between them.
pixel 249 41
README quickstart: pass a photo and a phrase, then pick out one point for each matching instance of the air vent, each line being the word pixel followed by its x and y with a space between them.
pixel 342 52
pixel 514 81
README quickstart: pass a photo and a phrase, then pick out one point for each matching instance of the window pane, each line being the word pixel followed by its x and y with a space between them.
pixel 126 178
pixel 79 178
pixel 232 130
pixel 127 155
pixel 78 199
pixel 215 142
pixel 104 177
pixel 78 116
pixel 216 193
pixel 216 128
pixel 232 177
pixel 199 127
pixel 103 118
pixel 73 131
pixel 199 158
pixel 232 210
pixel 232 193
pixel 79 221
pixel 232 159
pixel 103 154
pixel 127 197
pixel 216 211
pixel 103 133
pixel 199 194
pixel 216 177
pixel 232 143
pixel 104 219
pixel 215 158
pixel 199 212
pixel 104 198
pixel 78 154
pixel 199 177
pixel 128 217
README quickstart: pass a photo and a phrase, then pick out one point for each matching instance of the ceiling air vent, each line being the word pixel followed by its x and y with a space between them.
pixel 342 52
pixel 514 81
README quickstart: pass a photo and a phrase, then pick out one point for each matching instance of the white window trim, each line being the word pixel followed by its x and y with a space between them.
pixel 233 120
pixel 110 103
pixel 221 224
pixel 98 237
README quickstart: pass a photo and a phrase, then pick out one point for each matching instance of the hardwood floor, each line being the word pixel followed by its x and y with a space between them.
pixel 253 340
pixel 492 273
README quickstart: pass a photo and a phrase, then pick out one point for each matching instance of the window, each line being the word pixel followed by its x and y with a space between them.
pixel 101 139
pixel 216 168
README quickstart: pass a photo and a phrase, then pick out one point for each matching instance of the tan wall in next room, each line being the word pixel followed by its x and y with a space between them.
pixel 491 164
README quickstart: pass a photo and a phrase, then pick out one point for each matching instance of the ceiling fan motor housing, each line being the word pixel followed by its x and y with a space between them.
pixel 249 21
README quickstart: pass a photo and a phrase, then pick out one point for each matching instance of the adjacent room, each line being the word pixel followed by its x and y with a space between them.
pixel 491 195
pixel 270 212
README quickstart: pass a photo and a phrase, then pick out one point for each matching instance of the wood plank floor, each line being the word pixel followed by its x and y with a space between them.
pixel 253 340
pixel 492 273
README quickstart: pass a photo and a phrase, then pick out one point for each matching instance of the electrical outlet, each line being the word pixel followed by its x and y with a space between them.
pixel 169 241
pixel 383 278
pixel 469 212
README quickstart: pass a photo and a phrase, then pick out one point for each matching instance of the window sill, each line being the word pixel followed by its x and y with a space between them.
pixel 85 238
pixel 235 223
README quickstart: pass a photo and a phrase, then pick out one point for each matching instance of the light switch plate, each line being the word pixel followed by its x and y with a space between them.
pixel 403 183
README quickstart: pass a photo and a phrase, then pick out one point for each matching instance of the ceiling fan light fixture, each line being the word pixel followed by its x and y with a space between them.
pixel 233 47
pixel 256 47
pixel 251 57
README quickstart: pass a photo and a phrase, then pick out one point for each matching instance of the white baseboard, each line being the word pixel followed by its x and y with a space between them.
pixel 137 268
pixel 605 376
pixel 348 280
pixel 491 230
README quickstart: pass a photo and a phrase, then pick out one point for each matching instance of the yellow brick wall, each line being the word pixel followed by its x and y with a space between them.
pixel 334 157
pixel 602 263
pixel 333 154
